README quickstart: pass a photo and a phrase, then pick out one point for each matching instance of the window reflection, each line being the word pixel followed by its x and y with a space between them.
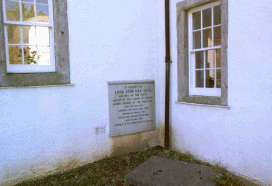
pixel 14 36
pixel 42 36
pixel 44 55
pixel 39 36
pixel 30 55
pixel 12 10
pixel 27 33
pixel 207 38
pixel 217 36
pixel 218 58
pixel 15 55
pixel 207 18
pixel 28 0
pixel 196 20
pixel 210 78
pixel 42 1
pixel 35 44
pixel 28 12
pixel 197 40
pixel 218 78
pixel 217 15
pixel 210 59
pixel 42 13
pixel 205 44
pixel 199 78
pixel 199 60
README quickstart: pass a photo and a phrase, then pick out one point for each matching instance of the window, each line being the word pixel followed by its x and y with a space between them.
pixel 34 48
pixel 202 51
pixel 29 35
pixel 205 50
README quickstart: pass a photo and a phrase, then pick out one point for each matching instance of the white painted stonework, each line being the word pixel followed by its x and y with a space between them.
pixel 49 129
pixel 240 137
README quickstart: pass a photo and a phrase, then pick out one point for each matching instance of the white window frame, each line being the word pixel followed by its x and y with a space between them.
pixel 18 68
pixel 191 53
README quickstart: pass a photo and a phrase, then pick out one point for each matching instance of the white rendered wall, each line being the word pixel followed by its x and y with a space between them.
pixel 53 128
pixel 240 137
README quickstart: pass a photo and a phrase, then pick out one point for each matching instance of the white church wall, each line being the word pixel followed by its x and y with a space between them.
pixel 239 137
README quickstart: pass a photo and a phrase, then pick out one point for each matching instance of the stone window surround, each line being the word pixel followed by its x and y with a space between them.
pixel 182 51
pixel 61 44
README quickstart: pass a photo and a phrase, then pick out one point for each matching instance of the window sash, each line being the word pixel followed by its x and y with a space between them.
pixel 22 68
pixel 21 22
pixel 193 90
pixel 31 68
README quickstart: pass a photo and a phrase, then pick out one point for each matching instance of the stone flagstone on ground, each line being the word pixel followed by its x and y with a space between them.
pixel 158 171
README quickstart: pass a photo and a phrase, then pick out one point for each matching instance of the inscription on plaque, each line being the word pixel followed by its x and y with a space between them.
pixel 131 107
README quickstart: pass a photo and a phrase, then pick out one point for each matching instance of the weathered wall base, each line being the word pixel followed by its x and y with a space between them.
pixel 119 145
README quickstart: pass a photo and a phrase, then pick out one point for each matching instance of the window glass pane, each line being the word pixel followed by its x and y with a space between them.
pixel 210 59
pixel 28 0
pixel 199 78
pixel 29 35
pixel 217 15
pixel 197 39
pixel 209 78
pixel 42 1
pixel 12 11
pixel 199 60
pixel 43 55
pixel 28 12
pixel 30 55
pixel 42 36
pixel 217 36
pixel 15 55
pixel 14 34
pixel 207 17
pixel 196 20
pixel 42 13
pixel 207 38
pixel 218 78
pixel 218 58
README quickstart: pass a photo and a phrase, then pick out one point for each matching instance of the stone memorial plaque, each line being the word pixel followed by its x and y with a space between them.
pixel 131 107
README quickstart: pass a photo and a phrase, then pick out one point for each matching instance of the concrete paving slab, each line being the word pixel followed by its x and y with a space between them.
pixel 158 171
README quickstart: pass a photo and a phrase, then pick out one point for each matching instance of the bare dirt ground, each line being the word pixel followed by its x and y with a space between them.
pixel 111 171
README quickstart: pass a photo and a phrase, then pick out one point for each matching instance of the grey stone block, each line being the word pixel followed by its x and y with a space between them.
pixel 159 171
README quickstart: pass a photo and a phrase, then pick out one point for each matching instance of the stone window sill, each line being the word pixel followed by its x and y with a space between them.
pixel 38 86
pixel 204 105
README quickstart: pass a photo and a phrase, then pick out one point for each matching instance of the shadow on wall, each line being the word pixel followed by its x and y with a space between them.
pixel 137 141
pixel 118 145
